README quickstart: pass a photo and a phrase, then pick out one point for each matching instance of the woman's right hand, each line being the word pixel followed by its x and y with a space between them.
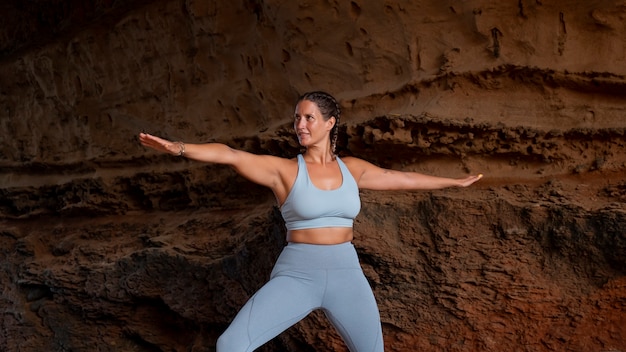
pixel 160 144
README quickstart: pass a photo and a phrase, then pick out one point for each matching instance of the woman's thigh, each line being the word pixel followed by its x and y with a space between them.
pixel 350 305
pixel 283 301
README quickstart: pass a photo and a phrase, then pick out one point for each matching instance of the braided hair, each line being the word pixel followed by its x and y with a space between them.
pixel 329 107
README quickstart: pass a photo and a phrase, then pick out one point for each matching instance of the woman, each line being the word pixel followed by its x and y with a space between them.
pixel 318 193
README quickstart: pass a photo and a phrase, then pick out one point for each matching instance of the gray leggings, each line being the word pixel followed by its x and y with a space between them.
pixel 308 277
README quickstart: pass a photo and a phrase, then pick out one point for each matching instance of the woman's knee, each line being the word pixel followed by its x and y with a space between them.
pixel 229 342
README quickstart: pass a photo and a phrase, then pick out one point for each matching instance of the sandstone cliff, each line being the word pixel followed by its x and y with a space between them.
pixel 109 247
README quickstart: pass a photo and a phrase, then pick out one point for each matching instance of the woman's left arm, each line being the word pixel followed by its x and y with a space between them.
pixel 370 176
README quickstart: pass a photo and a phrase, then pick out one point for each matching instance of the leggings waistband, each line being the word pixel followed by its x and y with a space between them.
pixel 315 256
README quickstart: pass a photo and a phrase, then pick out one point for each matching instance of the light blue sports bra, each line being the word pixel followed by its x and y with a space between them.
pixel 308 207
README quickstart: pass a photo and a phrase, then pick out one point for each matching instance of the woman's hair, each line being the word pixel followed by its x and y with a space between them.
pixel 328 107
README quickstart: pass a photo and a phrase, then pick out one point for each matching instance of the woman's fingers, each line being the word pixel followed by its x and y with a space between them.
pixel 155 142
pixel 470 180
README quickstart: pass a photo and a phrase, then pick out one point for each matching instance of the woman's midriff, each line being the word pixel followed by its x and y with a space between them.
pixel 325 235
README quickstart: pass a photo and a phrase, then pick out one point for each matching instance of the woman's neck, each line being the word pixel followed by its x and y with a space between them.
pixel 319 156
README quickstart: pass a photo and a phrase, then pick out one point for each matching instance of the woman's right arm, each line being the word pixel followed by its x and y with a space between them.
pixel 261 169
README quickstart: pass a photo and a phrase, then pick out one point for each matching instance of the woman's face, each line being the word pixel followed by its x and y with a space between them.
pixel 309 124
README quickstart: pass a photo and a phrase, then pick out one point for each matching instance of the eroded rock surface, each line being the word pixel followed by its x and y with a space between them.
pixel 107 246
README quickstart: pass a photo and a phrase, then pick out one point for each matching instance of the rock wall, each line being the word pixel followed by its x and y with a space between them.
pixel 107 246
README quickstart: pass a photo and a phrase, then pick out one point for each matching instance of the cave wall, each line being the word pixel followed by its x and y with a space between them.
pixel 108 246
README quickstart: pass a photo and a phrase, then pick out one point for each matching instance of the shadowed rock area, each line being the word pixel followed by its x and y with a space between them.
pixel 106 246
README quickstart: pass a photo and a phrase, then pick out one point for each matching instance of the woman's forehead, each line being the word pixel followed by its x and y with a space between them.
pixel 307 107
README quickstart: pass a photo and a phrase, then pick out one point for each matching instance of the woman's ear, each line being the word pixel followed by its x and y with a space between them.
pixel 331 122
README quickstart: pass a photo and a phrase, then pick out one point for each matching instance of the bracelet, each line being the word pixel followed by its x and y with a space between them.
pixel 181 145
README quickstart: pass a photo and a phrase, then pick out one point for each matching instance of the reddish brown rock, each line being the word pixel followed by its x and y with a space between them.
pixel 107 246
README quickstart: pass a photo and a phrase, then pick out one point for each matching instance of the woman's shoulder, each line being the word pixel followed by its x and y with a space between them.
pixel 268 161
pixel 352 160
pixel 355 164
pixel 285 162
pixel 358 165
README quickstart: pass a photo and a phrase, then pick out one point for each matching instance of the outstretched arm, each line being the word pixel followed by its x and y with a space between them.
pixel 370 176
pixel 261 169
pixel 209 152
